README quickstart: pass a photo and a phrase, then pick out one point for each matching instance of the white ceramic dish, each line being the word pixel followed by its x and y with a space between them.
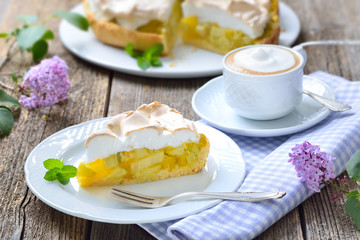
pixel 225 171
pixel 209 103
pixel 187 62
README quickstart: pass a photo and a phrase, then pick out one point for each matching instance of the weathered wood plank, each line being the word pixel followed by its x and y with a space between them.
pixel 23 215
pixel 328 20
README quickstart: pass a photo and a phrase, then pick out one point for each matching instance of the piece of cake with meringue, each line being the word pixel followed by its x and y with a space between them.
pixel 224 25
pixel 151 143
pixel 143 23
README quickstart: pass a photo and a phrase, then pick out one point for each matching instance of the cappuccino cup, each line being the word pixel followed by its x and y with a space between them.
pixel 263 82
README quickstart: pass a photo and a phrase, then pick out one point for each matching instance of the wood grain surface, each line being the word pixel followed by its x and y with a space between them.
pixel 97 92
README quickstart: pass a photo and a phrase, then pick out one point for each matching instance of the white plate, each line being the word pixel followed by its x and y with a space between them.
pixel 187 62
pixel 225 170
pixel 209 103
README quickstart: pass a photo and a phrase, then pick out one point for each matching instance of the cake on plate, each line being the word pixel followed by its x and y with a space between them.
pixel 222 26
pixel 151 143
pixel 143 23
pixel 215 25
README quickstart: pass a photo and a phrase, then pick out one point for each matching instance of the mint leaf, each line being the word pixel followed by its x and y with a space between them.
pixel 353 167
pixel 53 163
pixel 6 121
pixel 51 175
pixel 4 35
pixel 26 37
pixel 62 178
pixel 143 63
pixel 352 208
pixel 69 171
pixel 147 59
pixel 129 49
pixel 75 19
pixel 153 51
pixel 27 19
pixel 59 171
pixel 6 99
pixel 39 50
pixel 155 62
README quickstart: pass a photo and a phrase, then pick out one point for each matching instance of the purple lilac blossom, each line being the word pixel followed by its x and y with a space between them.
pixel 47 82
pixel 312 166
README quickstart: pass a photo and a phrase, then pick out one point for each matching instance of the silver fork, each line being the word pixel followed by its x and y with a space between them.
pixel 155 202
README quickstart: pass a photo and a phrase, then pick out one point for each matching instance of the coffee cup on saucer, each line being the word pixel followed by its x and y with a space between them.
pixel 263 82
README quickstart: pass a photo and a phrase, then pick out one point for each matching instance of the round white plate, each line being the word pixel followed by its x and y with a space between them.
pixel 209 103
pixel 187 61
pixel 225 170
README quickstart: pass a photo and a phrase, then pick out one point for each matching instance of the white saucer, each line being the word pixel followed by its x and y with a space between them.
pixel 209 103
pixel 187 62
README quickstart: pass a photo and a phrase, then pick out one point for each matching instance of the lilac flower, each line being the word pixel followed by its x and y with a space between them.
pixel 46 83
pixel 312 166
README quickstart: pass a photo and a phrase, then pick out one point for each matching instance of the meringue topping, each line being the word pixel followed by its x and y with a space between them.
pixel 131 14
pixel 249 16
pixel 152 126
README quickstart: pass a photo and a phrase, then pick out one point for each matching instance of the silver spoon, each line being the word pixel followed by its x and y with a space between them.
pixel 329 103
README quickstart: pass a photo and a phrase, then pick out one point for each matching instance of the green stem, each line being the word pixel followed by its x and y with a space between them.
pixel 339 188
pixel 47 20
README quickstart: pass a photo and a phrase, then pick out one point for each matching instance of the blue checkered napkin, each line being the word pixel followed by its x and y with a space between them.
pixel 268 169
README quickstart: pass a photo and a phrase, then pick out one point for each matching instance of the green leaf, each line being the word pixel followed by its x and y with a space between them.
pixel 155 62
pixel 352 208
pixel 69 171
pixel 75 19
pixel 354 193
pixel 27 19
pixel 26 37
pixel 53 163
pixel 6 121
pixel 6 99
pixel 143 63
pixel 129 49
pixel 4 35
pixel 14 77
pixel 153 51
pixel 39 50
pixel 15 32
pixel 62 178
pixel 353 167
pixel 51 175
pixel 48 35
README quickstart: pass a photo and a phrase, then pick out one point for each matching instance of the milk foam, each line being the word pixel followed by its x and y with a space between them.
pixel 264 59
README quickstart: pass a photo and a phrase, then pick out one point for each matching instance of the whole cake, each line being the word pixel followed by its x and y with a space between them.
pixel 215 25
pixel 151 143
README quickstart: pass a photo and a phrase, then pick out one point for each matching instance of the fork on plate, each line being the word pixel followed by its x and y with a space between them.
pixel 156 202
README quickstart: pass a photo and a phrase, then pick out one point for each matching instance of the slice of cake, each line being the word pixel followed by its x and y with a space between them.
pixel 143 23
pixel 222 26
pixel 151 143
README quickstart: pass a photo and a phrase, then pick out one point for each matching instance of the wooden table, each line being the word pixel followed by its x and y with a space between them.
pixel 98 92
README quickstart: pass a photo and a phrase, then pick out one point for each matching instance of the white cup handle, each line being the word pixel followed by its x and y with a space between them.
pixel 301 50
